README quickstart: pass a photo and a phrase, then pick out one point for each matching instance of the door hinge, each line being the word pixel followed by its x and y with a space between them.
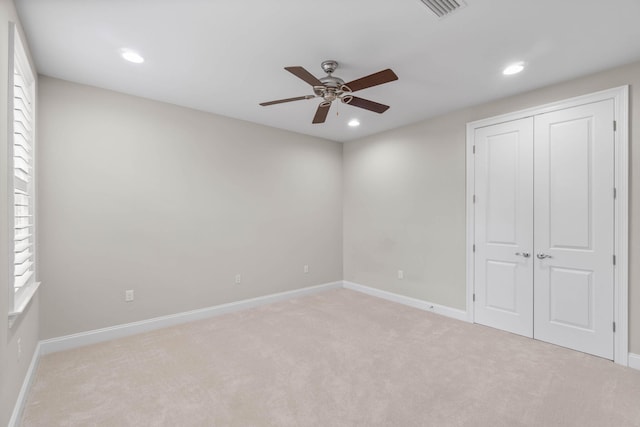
pixel 615 193
pixel 474 149
pixel 615 126
pixel 614 327
pixel 474 247
pixel 474 198
pixel 474 297
pixel 614 260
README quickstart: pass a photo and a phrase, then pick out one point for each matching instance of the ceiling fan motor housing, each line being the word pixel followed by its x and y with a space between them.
pixel 331 89
pixel 332 82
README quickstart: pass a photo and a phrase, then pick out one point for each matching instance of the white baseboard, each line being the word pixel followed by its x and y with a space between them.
pixel 14 421
pixel 106 334
pixel 411 302
pixel 634 361
pixel 119 331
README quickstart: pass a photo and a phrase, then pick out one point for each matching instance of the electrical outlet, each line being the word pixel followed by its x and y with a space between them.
pixel 306 268
pixel 128 295
pixel 19 348
pixel 238 279
pixel 400 274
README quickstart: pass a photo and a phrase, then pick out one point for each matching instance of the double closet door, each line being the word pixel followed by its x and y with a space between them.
pixel 544 227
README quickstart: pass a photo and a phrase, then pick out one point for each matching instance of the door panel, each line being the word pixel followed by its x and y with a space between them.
pixel 571 297
pixel 569 184
pixel 574 228
pixel 502 292
pixel 504 226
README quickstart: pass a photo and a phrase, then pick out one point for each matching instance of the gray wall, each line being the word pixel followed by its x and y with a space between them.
pixel 173 203
pixel 404 198
pixel 12 368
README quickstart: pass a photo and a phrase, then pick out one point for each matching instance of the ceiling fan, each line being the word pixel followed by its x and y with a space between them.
pixel 330 88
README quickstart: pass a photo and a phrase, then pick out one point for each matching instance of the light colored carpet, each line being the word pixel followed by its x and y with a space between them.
pixel 339 358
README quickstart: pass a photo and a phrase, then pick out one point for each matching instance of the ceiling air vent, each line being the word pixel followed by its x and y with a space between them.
pixel 443 8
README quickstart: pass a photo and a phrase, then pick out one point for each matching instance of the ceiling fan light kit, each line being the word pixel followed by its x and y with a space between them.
pixel 331 88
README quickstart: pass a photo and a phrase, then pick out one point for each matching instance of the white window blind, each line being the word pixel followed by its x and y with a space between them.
pixel 23 173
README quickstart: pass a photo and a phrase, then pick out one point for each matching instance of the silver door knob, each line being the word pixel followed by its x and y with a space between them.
pixel 540 255
pixel 524 254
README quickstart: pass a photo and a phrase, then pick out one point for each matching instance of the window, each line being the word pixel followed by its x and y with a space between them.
pixel 22 148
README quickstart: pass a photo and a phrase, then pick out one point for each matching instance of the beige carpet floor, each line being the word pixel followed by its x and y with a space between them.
pixel 338 358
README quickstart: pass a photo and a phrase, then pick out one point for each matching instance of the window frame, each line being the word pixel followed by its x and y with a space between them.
pixel 19 299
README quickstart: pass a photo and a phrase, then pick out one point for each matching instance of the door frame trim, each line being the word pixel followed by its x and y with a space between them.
pixel 620 96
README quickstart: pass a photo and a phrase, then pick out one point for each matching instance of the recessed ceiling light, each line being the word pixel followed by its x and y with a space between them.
pixel 354 123
pixel 132 56
pixel 513 69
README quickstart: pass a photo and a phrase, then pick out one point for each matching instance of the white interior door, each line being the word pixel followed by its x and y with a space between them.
pixel 504 260
pixel 574 228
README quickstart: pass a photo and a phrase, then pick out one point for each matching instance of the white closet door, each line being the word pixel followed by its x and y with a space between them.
pixel 574 228
pixel 504 226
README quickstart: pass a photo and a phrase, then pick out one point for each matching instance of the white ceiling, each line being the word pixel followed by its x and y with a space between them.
pixel 226 56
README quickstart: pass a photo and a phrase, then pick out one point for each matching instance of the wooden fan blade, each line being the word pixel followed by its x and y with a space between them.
pixel 303 74
pixel 321 113
pixel 367 105
pixel 280 101
pixel 381 77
